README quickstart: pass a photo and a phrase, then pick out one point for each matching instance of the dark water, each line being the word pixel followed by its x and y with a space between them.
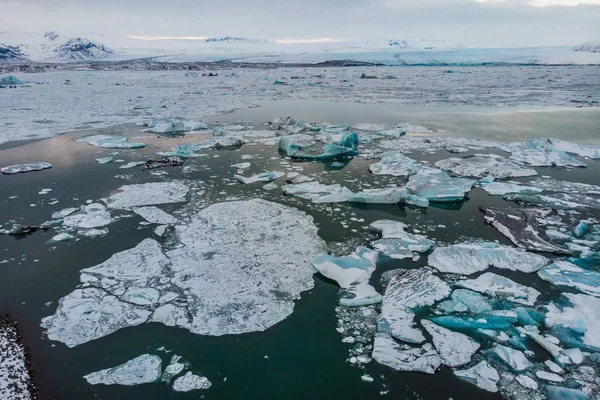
pixel 306 358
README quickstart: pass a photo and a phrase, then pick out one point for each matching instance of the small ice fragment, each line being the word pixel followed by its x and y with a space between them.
pixel 22 168
pixel 190 382
pixel 548 376
pixel 62 237
pixel 262 177
pixel 482 375
pixel 132 164
pixel 104 160
pixel 527 382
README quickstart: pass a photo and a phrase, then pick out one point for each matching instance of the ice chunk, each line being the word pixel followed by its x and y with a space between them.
pixel 433 144
pixel 262 177
pixel 319 193
pixel 189 382
pixel 10 80
pixel 243 165
pixel 563 273
pixel 174 368
pixel 392 195
pixel 554 367
pixel 547 343
pixel 220 142
pixel 94 215
pixel 482 375
pixel 22 168
pixel 561 393
pixel 499 286
pixel 173 125
pixel 581 316
pixel 482 165
pixel 147 194
pixel 104 160
pixel 502 188
pixel 352 273
pixel 184 151
pixel 402 357
pixel 522 227
pixel 110 142
pixel 406 292
pixel 365 126
pixel 548 376
pixel 564 201
pixel 485 322
pixel 437 186
pixel 465 301
pixel 469 258
pixel 143 369
pixel 291 145
pixel 395 163
pixel 513 358
pixel 397 243
pixel 528 316
pixel 155 215
pixel 541 153
pixel 554 185
pixel 345 147
pixel 132 164
pixel 455 349
pixel 63 213
pixel 527 382
pixel 62 237
pixel 580 150
pixel 581 229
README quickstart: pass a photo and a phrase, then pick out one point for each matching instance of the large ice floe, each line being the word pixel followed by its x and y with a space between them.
pixel 22 168
pixel 503 188
pixel 563 273
pixel 173 125
pixel 395 163
pixel 561 201
pixel 110 142
pixel 482 165
pixel 523 225
pixel 155 215
pixel 239 267
pixel 403 357
pixel 437 186
pixel 469 258
pixel 143 369
pixel 190 381
pixel 395 242
pixel 455 349
pixel 319 193
pixel 499 286
pixel 338 148
pixel 543 153
pixel 352 273
pixel 482 375
pixel 580 315
pixel 407 291
pixel 94 215
pixel 147 194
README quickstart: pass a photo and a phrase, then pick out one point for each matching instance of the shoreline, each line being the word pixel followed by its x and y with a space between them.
pixel 17 362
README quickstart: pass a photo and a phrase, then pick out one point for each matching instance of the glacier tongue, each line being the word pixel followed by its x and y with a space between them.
pixel 143 369
pixel 455 349
pixel 482 375
pixel 262 249
pixel 482 165
pixel 469 258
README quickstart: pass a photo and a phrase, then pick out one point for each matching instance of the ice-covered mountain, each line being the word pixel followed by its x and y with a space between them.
pixel 593 46
pixel 50 47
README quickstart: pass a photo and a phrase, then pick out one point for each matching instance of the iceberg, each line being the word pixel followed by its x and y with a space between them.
pixel 22 168
pixel 455 349
pixel 263 250
pixel 189 382
pixel 482 165
pixel 291 145
pixel 155 215
pixel 319 193
pixel 184 151
pixel 541 153
pixel 465 301
pixel 396 243
pixel 220 142
pixel 392 195
pixel 580 315
pixel 262 177
pixel 563 273
pixel 344 148
pixel 147 194
pixel 522 227
pixel 498 286
pixel 406 292
pixel 94 215
pixel 11 80
pixel 437 186
pixel 143 369
pixel 110 142
pixel 515 359
pixel 503 188
pixel 396 164
pixel 469 258
pixel 402 357
pixel 173 125
pixel 481 375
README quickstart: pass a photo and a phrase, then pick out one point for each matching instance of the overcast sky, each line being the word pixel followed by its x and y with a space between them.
pixel 488 23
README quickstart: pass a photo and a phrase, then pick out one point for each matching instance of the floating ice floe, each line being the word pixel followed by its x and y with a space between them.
pixel 22 168
pixel 541 153
pixel 155 215
pixel 61 237
pixel 502 188
pixel 580 314
pixel 110 142
pixel 395 242
pixel 527 382
pixel 10 80
pixel 481 375
pixel 219 143
pixel 550 344
pixel 319 193
pixel 407 291
pixel 289 124
pixel 173 125
pixel 184 151
pixel 582 229
pixel 565 201
pixel 395 163
pixel 351 273
pixel 465 301
pixel 394 133
pixel 553 185
pixel 343 148
pixel 364 126
pixel 104 160
pixel 262 250
pixel 469 258
pixel 392 195
pixel 243 165
pixel 402 357
pixel 515 359
pixel 407 127
pixel 174 368
pixel 94 215
pixel 143 369
pixel 434 144
pixel 455 349
pixel 147 194
pixel 563 273
pixel 482 165
pixel 437 186
pixel 557 144
pixel 522 227
pixel 563 393
pixel 262 177
pixel 189 382
pixel 498 286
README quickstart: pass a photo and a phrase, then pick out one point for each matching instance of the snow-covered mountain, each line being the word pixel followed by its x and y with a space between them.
pixel 238 40
pixel 593 46
pixel 50 47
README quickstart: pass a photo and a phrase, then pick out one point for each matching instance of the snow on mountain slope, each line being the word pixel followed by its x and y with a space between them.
pixel 593 46
pixel 52 47
pixel 10 54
